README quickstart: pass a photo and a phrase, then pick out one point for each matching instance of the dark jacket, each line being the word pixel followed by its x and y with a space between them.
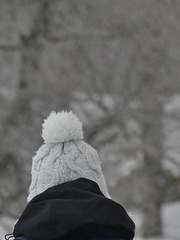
pixel 75 210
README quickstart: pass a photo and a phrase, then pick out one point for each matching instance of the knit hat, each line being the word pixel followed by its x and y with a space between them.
pixel 64 156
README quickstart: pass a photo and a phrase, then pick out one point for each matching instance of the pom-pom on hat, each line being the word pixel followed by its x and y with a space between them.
pixel 64 156
pixel 62 127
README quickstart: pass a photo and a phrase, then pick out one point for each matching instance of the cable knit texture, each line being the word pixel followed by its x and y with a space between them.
pixel 60 162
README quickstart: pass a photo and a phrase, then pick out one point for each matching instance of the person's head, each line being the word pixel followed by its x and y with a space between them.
pixel 68 196
pixel 64 156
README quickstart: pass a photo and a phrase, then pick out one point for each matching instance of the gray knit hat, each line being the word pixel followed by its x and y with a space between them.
pixel 64 156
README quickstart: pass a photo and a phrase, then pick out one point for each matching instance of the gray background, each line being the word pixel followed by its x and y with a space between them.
pixel 116 64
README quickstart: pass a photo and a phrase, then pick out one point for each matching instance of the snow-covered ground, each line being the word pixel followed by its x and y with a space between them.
pixel 170 216
pixel 171 220
pixel 6 226
pixel 170 213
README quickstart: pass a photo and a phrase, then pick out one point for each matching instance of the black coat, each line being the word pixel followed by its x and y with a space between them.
pixel 74 210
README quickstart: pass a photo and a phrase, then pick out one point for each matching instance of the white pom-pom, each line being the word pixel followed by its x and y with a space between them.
pixel 61 127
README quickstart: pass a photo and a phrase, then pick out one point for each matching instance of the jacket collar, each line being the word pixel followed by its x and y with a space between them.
pixel 74 210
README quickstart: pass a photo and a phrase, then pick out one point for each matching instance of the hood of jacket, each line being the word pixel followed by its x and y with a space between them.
pixel 74 210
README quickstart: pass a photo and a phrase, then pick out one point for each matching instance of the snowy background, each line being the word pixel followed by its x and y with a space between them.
pixel 116 64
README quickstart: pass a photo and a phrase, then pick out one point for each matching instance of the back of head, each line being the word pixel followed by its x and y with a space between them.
pixel 64 156
pixel 68 196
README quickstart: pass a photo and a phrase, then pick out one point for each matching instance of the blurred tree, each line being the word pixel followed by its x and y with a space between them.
pixel 116 63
